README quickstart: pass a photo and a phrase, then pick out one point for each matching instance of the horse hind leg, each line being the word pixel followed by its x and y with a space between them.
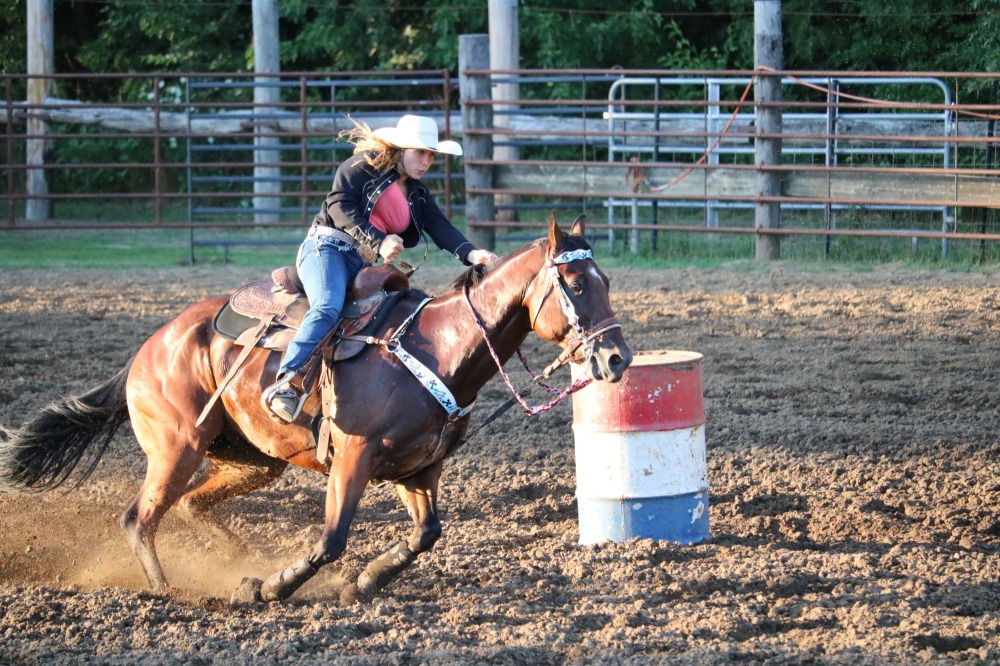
pixel 419 496
pixel 166 479
pixel 169 384
pixel 235 468
pixel 173 455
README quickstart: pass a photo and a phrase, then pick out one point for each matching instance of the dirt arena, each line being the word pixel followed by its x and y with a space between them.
pixel 853 447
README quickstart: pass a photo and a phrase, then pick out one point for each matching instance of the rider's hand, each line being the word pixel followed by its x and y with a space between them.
pixel 390 248
pixel 481 257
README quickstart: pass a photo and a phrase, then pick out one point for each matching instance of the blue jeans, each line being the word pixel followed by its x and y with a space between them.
pixel 326 268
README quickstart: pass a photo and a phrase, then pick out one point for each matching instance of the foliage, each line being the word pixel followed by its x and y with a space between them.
pixel 207 35
pixel 87 147
pixel 200 35
pixel 899 35
pixel 686 56
pixel 12 36
pixel 579 37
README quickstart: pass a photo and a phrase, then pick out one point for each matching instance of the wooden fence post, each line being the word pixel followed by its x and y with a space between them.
pixel 474 53
pixel 505 53
pixel 266 101
pixel 768 52
pixel 41 61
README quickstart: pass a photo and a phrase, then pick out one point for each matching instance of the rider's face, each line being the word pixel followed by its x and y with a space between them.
pixel 416 162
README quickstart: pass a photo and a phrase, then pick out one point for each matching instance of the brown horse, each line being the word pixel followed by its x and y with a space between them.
pixel 386 427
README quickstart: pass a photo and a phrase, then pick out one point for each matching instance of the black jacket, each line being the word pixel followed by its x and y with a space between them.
pixel 358 185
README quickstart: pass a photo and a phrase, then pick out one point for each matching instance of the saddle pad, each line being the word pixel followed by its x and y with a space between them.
pixel 229 323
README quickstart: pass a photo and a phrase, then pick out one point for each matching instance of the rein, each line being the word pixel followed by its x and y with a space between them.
pixel 583 338
pixel 530 411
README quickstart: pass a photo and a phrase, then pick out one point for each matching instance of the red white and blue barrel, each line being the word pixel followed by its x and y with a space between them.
pixel 641 468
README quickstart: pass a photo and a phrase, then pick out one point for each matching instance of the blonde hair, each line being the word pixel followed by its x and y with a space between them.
pixel 378 152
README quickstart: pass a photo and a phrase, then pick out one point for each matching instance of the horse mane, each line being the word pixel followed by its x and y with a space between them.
pixel 472 276
pixel 475 274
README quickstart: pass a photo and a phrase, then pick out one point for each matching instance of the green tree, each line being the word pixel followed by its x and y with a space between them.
pixel 983 43
pixel 362 35
pixel 12 36
pixel 373 34
pixel 883 35
pixel 151 36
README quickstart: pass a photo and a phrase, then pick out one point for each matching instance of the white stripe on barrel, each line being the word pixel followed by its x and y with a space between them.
pixel 641 469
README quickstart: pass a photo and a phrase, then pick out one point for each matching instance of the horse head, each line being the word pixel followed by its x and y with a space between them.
pixel 569 305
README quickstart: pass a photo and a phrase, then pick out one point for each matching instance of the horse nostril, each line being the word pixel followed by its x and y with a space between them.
pixel 619 362
pixel 615 368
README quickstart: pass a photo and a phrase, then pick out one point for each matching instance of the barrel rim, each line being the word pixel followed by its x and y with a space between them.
pixel 656 357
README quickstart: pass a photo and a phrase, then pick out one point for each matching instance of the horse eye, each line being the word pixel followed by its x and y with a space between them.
pixel 576 286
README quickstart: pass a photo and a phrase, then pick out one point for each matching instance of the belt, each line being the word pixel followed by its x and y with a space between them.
pixel 319 230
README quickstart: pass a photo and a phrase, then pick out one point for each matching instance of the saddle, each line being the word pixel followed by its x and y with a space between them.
pixel 266 314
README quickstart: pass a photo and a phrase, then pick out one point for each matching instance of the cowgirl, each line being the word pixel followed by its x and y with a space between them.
pixel 376 207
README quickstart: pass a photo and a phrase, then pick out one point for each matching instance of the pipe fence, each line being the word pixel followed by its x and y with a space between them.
pixel 645 153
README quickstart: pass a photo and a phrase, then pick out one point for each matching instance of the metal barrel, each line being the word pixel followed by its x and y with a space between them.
pixel 641 468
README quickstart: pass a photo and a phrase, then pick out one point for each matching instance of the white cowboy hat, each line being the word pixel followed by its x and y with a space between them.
pixel 417 132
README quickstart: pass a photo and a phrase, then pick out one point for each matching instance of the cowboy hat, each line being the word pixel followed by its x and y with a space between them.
pixel 417 132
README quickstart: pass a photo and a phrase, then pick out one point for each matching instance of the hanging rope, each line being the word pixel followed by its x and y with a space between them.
pixel 633 177
pixel 877 102
pixel 718 140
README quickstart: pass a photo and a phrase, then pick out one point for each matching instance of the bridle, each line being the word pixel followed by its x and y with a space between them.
pixel 581 339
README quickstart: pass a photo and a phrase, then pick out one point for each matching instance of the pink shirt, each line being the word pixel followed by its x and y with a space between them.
pixel 391 214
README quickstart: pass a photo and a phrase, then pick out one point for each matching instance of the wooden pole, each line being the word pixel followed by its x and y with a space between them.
pixel 474 53
pixel 768 52
pixel 41 61
pixel 266 97
pixel 505 47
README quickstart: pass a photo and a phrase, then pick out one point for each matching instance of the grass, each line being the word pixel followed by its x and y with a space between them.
pixel 91 249
pixel 142 245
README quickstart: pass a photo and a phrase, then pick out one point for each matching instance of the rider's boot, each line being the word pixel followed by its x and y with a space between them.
pixel 284 398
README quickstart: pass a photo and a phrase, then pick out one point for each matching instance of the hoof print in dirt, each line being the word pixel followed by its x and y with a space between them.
pixel 247 593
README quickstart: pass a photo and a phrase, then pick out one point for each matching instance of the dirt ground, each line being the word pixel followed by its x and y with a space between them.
pixel 853 449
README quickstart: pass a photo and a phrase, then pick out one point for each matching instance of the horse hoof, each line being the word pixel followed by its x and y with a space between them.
pixel 350 595
pixel 247 593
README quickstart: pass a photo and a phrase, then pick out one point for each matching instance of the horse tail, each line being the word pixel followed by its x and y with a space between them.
pixel 44 452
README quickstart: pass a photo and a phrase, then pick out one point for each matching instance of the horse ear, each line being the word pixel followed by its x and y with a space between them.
pixel 556 236
pixel 577 228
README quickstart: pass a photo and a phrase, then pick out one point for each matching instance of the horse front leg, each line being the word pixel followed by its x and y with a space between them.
pixel 349 474
pixel 419 495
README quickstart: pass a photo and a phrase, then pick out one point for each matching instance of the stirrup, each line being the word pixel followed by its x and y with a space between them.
pixel 289 400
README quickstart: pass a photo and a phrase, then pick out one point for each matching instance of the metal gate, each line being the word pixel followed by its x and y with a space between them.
pixel 667 130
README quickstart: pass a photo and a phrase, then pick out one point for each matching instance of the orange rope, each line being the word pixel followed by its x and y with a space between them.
pixel 634 179
pixel 869 100
pixel 718 140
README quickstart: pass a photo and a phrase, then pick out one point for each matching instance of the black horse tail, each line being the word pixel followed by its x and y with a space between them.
pixel 44 452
